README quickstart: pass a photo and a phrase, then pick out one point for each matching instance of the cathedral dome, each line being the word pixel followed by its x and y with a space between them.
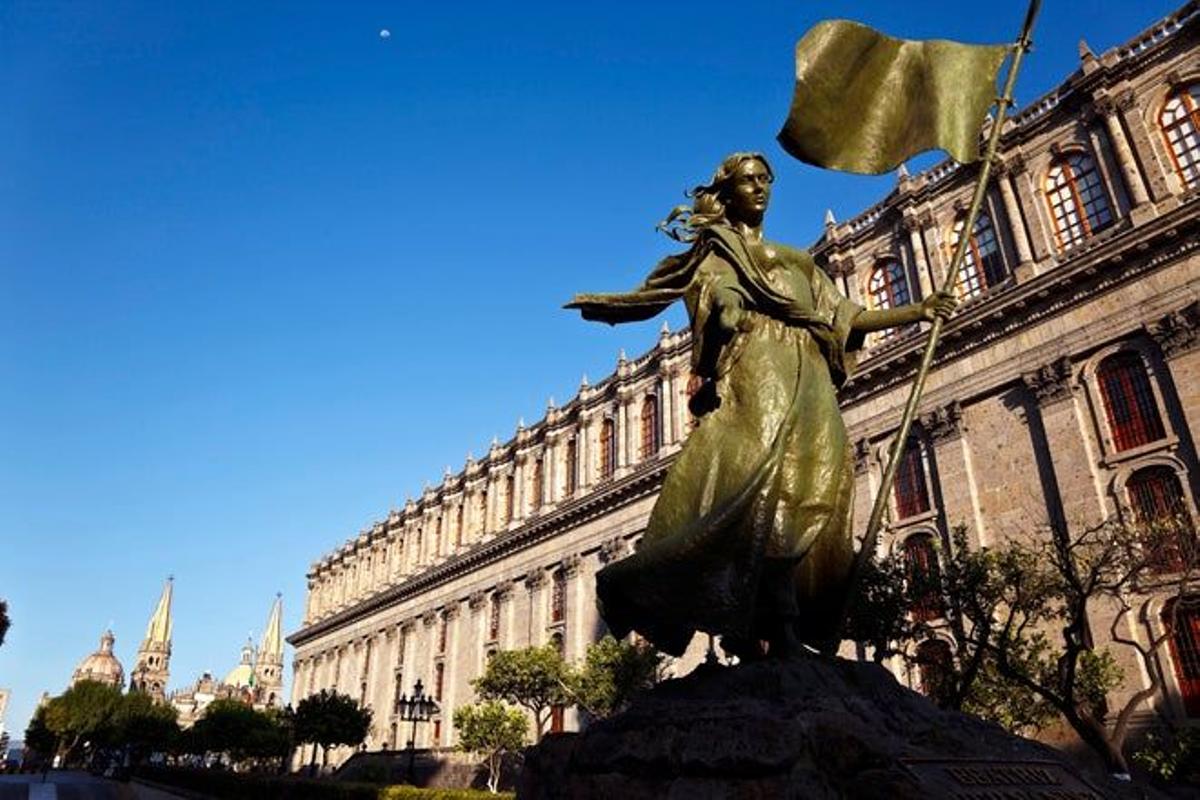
pixel 101 666
pixel 242 675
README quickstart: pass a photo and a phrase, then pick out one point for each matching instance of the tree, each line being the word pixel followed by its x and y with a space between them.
pixel 1020 614
pixel 490 730
pixel 4 621
pixel 143 725
pixel 81 713
pixel 534 678
pixel 611 674
pixel 243 732
pixel 39 739
pixel 329 718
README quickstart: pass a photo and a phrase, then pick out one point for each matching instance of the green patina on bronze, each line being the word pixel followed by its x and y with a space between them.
pixel 865 102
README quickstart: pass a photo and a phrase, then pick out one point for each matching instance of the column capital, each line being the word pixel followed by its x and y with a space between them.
pixel 1050 383
pixel 862 456
pixel 612 549
pixel 535 579
pixel 429 618
pixel 477 600
pixel 944 423
pixel 1177 332
pixel 570 565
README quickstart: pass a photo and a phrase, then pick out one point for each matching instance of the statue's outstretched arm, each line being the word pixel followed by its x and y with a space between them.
pixel 938 304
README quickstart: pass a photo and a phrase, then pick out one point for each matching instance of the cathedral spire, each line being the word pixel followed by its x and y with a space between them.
pixel 152 669
pixel 158 630
pixel 268 662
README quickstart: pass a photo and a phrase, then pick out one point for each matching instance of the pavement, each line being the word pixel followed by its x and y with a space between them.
pixel 69 785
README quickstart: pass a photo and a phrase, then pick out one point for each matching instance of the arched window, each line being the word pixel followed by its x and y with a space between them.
pixel 608 447
pixel 935 670
pixel 572 459
pixel 539 484
pixel 443 632
pixel 1077 200
pixel 483 510
pixel 558 597
pixel 649 427
pixel 1180 121
pixel 458 525
pixel 437 536
pixel 1185 648
pixel 510 490
pixel 888 286
pixel 982 265
pixel 923 577
pixel 1159 507
pixel 1129 402
pixel 439 680
pixel 911 492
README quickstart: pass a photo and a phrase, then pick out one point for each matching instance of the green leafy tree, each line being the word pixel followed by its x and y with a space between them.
pixel 39 739
pixel 246 735
pixel 82 713
pixel 534 678
pixel 328 719
pixel 611 674
pixel 143 725
pixel 4 621
pixel 1019 616
pixel 490 730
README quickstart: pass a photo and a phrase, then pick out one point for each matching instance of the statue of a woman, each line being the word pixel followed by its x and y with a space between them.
pixel 751 536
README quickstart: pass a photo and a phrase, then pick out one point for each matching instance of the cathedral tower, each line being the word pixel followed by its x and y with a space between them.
pixel 152 669
pixel 268 667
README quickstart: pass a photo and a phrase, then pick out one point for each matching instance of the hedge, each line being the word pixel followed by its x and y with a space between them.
pixel 224 785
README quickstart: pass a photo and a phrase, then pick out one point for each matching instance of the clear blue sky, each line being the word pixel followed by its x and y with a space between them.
pixel 264 273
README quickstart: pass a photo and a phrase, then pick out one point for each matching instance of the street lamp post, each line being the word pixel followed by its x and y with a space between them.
pixel 418 708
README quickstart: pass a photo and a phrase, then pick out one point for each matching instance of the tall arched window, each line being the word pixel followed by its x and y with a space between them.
pixel 483 510
pixel 458 524
pixel 494 619
pixel 1129 403
pixel 1180 121
pixel 539 484
pixel 1077 200
pixel 923 576
pixel 439 680
pixel 935 670
pixel 1185 648
pixel 649 425
pixel 510 491
pixel 558 597
pixel 911 492
pixel 608 447
pixel 982 265
pixel 1160 509
pixel 572 459
pixel 888 286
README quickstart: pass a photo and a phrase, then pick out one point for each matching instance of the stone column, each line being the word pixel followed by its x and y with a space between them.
pixel 936 255
pixel 1016 224
pixel 624 453
pixel 573 641
pixel 534 611
pixel 1075 490
pixel 953 471
pixel 1178 337
pixel 1107 107
pixel 913 226
pixel 666 405
pixel 1033 207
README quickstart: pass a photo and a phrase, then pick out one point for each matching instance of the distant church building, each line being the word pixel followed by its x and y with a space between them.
pixel 101 666
pixel 1066 392
pixel 257 679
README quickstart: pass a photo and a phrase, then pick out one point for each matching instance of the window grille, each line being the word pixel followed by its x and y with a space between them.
pixel 923 576
pixel 558 597
pixel 1077 200
pixel 608 448
pixel 649 427
pixel 1180 121
pixel 983 265
pixel 1185 649
pixel 911 492
pixel 1129 403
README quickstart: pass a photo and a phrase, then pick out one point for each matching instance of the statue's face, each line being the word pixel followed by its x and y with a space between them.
pixel 748 193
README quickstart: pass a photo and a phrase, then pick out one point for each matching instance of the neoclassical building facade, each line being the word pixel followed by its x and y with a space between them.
pixel 1066 391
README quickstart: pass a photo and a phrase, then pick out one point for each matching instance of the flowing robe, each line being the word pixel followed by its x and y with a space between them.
pixel 753 522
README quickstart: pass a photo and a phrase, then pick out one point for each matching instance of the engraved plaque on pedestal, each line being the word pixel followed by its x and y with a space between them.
pixel 975 779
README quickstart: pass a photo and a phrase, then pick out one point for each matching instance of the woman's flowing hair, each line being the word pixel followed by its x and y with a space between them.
pixel 685 222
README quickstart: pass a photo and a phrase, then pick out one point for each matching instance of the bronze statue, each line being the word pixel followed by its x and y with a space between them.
pixel 751 536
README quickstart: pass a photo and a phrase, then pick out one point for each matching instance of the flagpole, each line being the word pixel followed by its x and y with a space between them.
pixel 875 521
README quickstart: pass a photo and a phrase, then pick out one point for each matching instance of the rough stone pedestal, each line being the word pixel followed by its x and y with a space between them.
pixel 807 728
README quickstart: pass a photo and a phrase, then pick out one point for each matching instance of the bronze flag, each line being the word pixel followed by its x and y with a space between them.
pixel 864 102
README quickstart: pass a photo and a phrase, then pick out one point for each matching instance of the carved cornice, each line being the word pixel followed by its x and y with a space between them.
pixel 944 423
pixel 1177 332
pixel 1050 383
